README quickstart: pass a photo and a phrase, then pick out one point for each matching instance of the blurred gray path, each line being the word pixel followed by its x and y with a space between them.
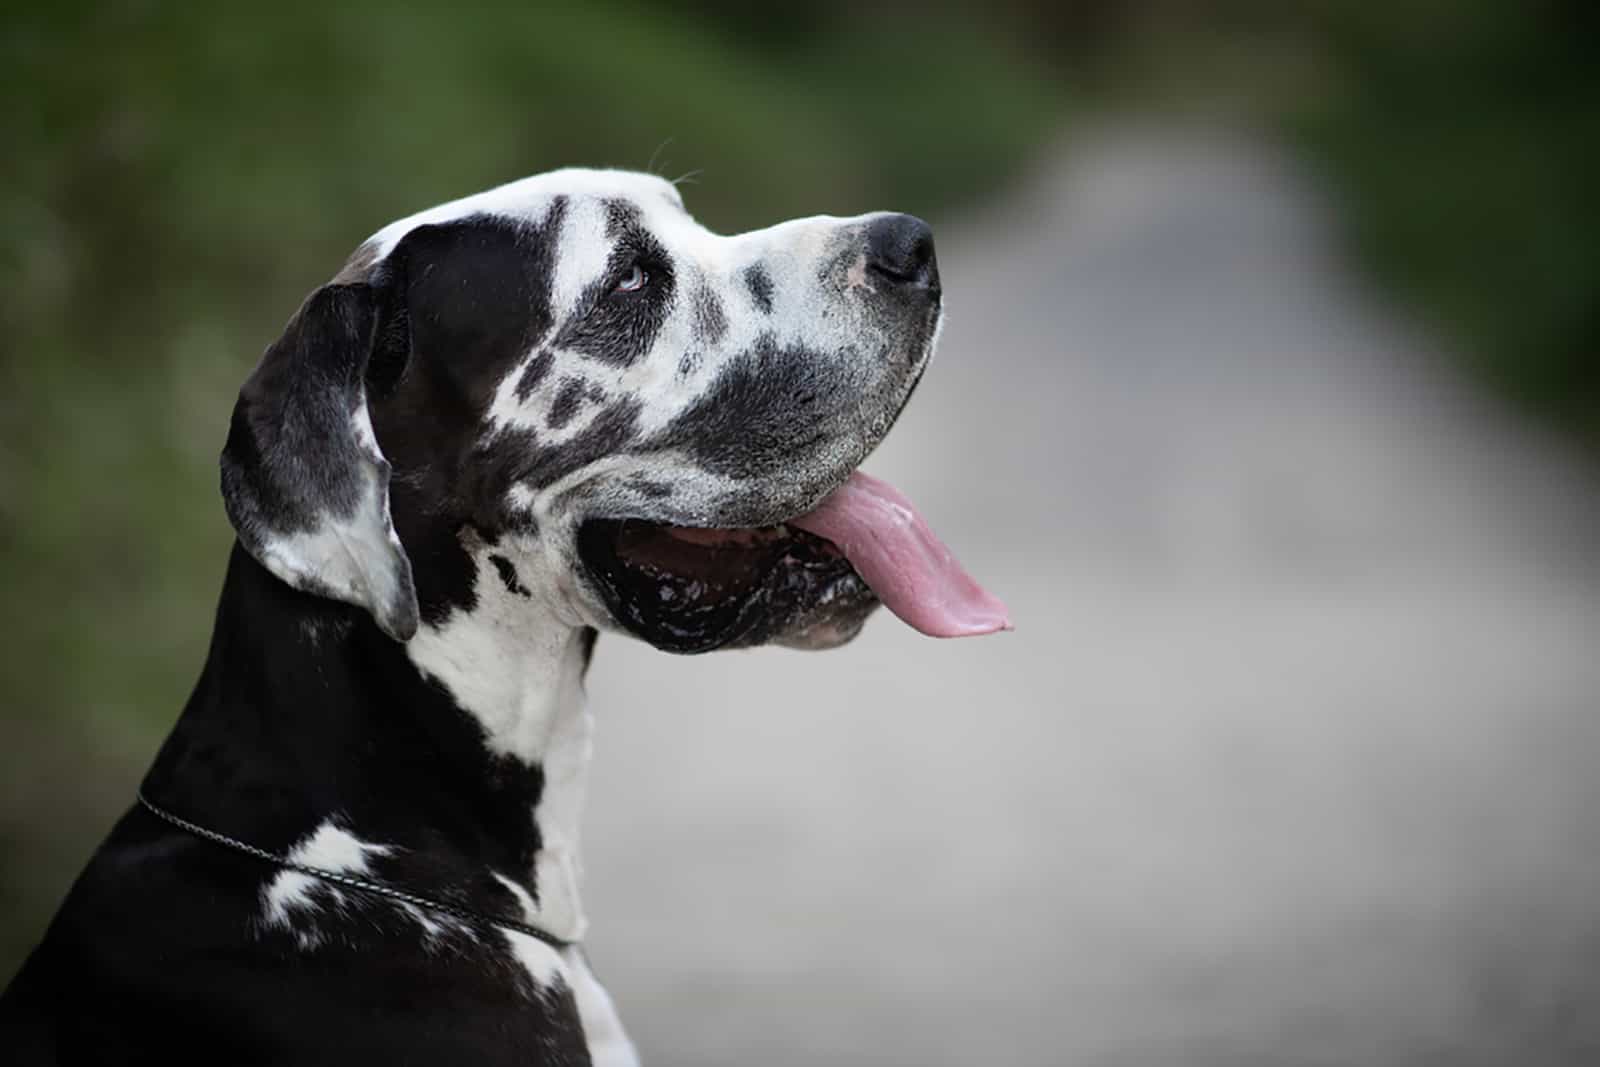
pixel 1291 759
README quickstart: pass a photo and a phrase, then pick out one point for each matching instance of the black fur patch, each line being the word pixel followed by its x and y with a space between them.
pixel 565 405
pixel 759 282
pixel 589 636
pixel 535 372
pixel 476 297
pixel 764 408
pixel 508 574
pixel 621 215
pixel 710 323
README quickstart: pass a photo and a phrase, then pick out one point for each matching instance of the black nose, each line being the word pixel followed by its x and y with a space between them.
pixel 900 249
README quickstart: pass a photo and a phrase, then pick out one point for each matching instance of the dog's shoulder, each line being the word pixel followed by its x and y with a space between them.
pixel 161 945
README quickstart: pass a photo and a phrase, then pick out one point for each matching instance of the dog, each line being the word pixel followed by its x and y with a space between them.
pixel 506 424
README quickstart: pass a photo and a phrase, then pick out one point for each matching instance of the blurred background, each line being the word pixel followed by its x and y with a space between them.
pixel 1270 402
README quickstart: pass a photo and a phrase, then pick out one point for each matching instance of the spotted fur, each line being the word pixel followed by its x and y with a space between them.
pixel 759 283
pixel 395 684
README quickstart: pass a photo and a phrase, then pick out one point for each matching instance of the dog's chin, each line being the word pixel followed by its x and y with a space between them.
pixel 696 590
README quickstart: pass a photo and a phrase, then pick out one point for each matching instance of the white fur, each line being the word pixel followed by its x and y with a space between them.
pixel 583 249
pixel 431 927
pixel 294 901
pixel 524 899
pixel 543 963
pixel 602 1029
pixel 291 899
pixel 516 666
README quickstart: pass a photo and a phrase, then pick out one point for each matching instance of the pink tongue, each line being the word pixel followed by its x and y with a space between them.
pixel 911 570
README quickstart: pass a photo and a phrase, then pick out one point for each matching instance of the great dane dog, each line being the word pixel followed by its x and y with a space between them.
pixel 509 422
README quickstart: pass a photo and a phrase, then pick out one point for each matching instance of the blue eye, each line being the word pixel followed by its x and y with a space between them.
pixel 633 281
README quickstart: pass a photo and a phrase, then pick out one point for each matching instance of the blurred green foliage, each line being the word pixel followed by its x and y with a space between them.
pixel 1464 140
pixel 178 177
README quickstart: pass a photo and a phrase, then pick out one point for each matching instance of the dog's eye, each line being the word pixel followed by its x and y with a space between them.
pixel 636 278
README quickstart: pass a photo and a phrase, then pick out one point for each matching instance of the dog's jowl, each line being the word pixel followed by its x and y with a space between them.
pixel 506 424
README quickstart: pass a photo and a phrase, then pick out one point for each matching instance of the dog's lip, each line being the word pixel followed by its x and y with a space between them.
pixel 693 589
pixel 726 536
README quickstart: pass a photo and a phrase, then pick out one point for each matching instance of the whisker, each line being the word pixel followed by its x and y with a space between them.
pixel 651 166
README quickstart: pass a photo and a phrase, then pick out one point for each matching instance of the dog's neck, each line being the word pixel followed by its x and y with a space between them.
pixel 464 753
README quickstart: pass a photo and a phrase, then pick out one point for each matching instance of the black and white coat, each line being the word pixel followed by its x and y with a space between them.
pixel 438 476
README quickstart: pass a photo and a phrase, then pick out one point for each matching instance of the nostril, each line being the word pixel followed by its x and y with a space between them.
pixel 900 248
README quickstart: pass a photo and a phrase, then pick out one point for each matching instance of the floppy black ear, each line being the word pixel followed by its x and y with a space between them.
pixel 303 480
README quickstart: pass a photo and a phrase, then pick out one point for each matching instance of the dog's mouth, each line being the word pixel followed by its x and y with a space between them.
pixel 810 582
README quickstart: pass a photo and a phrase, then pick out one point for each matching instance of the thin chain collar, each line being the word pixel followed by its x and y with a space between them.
pixel 349 882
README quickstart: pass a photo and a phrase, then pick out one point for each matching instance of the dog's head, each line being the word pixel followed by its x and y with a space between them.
pixel 627 408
